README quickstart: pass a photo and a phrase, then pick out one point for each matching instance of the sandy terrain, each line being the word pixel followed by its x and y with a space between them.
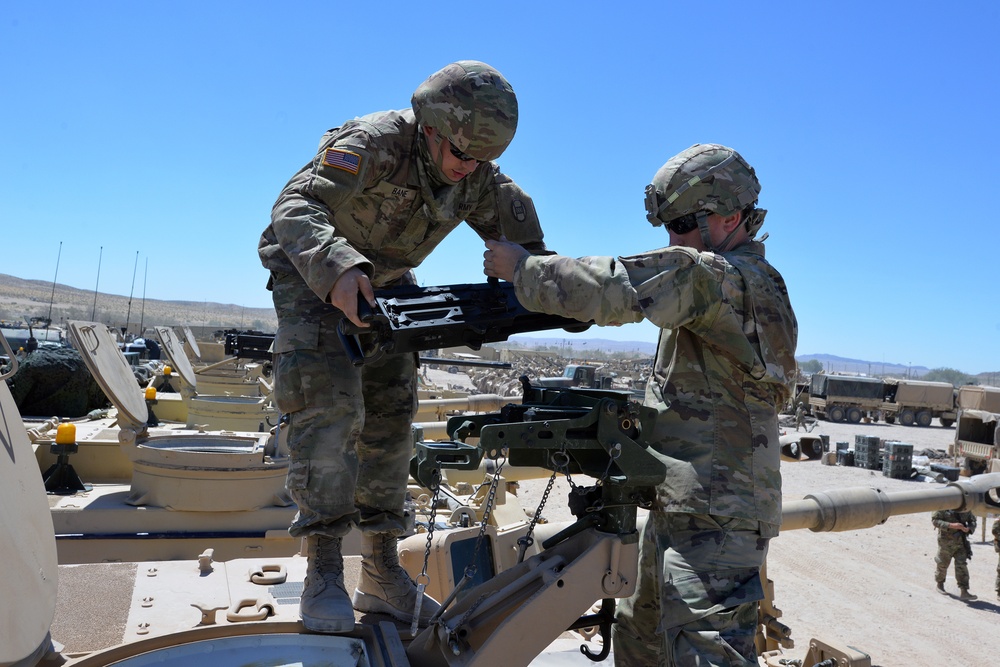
pixel 874 589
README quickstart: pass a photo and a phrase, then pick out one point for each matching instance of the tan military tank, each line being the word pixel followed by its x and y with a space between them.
pixel 511 594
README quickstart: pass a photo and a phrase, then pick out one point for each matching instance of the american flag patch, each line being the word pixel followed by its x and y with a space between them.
pixel 341 159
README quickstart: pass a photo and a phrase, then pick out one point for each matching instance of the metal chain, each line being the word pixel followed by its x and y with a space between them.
pixel 423 579
pixel 471 568
pixel 528 538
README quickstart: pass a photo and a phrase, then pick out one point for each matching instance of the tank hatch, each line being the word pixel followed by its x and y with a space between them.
pixel 108 366
pixel 179 361
pixel 27 544
pixel 189 338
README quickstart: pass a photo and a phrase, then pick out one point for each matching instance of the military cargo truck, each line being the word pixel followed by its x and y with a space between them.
pixel 577 375
pixel 977 434
pixel 852 398
pixel 845 397
pixel 918 402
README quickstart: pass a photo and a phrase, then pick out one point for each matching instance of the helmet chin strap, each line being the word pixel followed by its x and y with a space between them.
pixel 434 169
pixel 706 237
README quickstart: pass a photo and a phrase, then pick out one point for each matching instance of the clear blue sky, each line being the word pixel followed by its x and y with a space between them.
pixel 164 131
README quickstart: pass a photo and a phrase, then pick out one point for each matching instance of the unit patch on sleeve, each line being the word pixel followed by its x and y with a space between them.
pixel 341 159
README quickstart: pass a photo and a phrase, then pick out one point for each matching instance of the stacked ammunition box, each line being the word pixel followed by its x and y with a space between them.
pixel 898 460
pixel 866 452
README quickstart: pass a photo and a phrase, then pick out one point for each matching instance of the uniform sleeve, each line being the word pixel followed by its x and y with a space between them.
pixel 504 209
pixel 669 287
pixel 302 217
pixel 589 288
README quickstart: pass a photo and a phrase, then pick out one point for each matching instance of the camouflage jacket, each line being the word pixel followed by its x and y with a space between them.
pixel 950 536
pixel 360 202
pixel 724 363
pixel 996 534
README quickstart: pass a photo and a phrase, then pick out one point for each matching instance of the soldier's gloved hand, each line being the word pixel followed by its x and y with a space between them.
pixel 344 295
pixel 501 258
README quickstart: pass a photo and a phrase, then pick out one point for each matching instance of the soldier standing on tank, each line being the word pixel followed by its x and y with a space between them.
pixel 953 528
pixel 380 194
pixel 725 361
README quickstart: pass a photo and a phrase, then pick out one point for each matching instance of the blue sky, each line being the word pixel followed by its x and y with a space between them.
pixel 164 131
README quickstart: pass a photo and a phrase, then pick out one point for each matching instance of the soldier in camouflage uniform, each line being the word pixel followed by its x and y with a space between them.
pixel 953 528
pixel 996 546
pixel 724 365
pixel 380 194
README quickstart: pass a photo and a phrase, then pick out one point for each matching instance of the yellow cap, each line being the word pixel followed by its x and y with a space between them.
pixel 150 393
pixel 167 370
pixel 65 434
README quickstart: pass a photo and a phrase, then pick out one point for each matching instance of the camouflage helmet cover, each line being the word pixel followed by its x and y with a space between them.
pixel 472 105
pixel 705 177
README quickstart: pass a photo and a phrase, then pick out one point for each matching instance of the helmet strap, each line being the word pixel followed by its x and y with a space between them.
pixel 433 170
pixel 727 243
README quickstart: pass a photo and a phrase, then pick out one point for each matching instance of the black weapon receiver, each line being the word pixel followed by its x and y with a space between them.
pixel 412 319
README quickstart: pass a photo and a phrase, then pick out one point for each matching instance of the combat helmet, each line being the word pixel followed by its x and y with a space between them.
pixel 704 179
pixel 472 105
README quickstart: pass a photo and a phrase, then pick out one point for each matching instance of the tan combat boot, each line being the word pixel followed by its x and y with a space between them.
pixel 325 605
pixel 385 587
pixel 966 595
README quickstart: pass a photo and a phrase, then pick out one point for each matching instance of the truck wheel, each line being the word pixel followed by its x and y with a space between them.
pixel 854 415
pixel 890 419
pixel 836 413
pixel 924 418
pixel 906 417
pixel 947 423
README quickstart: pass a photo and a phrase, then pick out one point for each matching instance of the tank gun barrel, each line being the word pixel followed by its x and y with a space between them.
pixel 862 507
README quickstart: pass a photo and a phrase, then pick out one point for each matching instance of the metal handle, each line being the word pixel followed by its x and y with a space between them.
pixel 14 363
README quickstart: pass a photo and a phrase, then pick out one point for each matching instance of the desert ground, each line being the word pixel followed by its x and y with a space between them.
pixel 869 589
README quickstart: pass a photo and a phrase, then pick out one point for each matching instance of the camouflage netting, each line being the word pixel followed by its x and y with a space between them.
pixel 55 383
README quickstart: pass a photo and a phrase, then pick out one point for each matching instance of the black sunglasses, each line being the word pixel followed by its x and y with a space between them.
pixel 459 154
pixel 683 224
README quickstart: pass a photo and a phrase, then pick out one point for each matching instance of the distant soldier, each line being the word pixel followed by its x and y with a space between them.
pixel 996 545
pixel 953 542
pixel 800 416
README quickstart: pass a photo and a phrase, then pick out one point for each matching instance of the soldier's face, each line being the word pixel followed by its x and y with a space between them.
pixel 718 228
pixel 454 167
pixel 691 239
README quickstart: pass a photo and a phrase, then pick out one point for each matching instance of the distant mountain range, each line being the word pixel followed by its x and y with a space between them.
pixel 576 346
pixel 21 298
pixel 834 364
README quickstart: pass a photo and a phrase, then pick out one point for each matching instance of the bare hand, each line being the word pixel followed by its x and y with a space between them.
pixel 501 258
pixel 344 295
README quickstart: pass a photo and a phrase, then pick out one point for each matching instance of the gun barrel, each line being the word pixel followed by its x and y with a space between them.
pixel 862 507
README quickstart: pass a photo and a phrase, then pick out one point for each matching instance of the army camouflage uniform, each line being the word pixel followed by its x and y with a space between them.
pixel 724 362
pixel 385 220
pixel 996 546
pixel 951 545
pixel 371 198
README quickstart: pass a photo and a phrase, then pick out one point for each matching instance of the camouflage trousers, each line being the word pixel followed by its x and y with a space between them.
pixel 697 593
pixel 998 579
pixel 349 429
pixel 946 552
